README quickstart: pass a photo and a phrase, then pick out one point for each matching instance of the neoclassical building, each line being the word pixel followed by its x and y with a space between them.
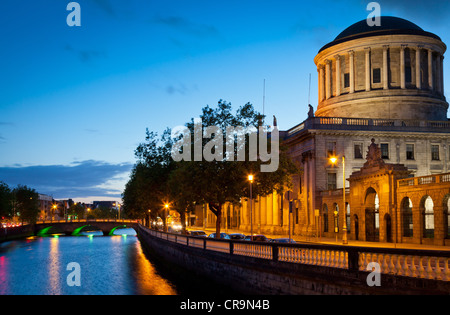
pixel 380 87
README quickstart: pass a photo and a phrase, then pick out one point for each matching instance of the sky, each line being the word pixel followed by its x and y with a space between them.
pixel 75 102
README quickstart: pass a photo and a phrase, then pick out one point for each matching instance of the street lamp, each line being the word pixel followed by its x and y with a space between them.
pixel 250 178
pixel 333 161
pixel 166 206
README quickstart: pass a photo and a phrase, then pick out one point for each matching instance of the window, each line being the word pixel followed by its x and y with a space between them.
pixel 358 148
pixel 428 219
pixel 331 181
pixel 407 218
pixel 376 75
pixel 346 80
pixel 410 151
pixel 331 149
pixel 325 218
pixel 435 153
pixel 384 151
pixel 408 75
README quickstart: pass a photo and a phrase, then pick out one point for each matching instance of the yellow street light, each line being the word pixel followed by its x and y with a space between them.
pixel 334 160
pixel 250 178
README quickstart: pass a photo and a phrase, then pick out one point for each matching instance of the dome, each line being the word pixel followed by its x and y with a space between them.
pixel 389 26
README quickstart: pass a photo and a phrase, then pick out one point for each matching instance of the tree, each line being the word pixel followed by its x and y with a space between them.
pixel 77 210
pixel 147 189
pixel 220 181
pixel 26 203
pixel 5 201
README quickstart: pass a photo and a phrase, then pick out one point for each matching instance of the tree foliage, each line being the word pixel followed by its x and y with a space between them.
pixel 157 179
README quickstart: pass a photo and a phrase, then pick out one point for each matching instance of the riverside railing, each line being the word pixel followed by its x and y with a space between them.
pixel 425 264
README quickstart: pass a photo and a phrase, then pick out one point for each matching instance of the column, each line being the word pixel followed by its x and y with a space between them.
pixel 328 79
pixel 438 74
pixel 275 208
pixel 368 76
pixel 385 67
pixel 338 75
pixel 321 83
pixel 352 71
pixel 418 68
pixel 402 67
pixel 442 74
pixel 430 70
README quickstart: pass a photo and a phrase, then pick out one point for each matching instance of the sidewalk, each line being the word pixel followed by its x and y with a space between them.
pixel 332 241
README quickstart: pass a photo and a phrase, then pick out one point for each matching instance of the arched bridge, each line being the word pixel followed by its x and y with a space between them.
pixel 75 227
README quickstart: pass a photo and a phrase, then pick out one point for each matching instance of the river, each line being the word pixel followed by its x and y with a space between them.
pixel 102 265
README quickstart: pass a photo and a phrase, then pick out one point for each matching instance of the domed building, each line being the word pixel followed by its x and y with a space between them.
pixel 392 71
pixel 382 110
pixel 379 87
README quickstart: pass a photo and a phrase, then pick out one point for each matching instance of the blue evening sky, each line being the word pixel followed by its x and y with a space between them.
pixel 75 101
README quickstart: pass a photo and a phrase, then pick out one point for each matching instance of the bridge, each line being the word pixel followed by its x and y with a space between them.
pixel 75 227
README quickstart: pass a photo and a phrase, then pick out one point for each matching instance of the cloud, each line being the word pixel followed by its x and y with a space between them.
pixel 185 26
pixel 77 180
pixel 86 55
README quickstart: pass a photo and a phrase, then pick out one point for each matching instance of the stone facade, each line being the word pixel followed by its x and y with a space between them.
pixel 387 87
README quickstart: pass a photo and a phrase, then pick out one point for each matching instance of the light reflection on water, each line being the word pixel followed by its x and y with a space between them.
pixel 109 265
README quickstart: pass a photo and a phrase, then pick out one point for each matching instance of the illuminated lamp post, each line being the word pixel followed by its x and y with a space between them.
pixel 333 161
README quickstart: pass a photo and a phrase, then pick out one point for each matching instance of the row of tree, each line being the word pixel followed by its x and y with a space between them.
pixel 157 180
pixel 20 202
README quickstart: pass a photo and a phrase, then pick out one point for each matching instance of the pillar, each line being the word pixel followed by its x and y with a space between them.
pixel 385 68
pixel 321 83
pixel 430 70
pixel 338 75
pixel 328 79
pixel 442 73
pixel 402 67
pixel 438 74
pixel 368 74
pixel 352 71
pixel 418 68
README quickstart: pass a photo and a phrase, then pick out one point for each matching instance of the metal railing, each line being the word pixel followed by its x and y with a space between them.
pixel 425 264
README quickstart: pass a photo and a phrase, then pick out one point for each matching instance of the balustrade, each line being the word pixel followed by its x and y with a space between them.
pixel 429 265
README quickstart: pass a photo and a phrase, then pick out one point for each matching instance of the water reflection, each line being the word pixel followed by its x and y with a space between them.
pixel 110 265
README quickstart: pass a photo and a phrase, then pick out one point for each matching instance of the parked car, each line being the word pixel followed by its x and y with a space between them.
pixel 197 233
pixel 283 240
pixel 237 236
pixel 257 238
pixel 222 236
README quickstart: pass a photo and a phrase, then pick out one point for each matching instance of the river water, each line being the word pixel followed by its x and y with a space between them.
pixel 102 265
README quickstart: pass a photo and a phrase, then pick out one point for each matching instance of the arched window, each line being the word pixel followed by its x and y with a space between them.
pixel 428 218
pixel 407 217
pixel 325 218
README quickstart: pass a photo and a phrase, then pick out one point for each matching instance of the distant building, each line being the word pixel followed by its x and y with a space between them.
pixel 45 206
